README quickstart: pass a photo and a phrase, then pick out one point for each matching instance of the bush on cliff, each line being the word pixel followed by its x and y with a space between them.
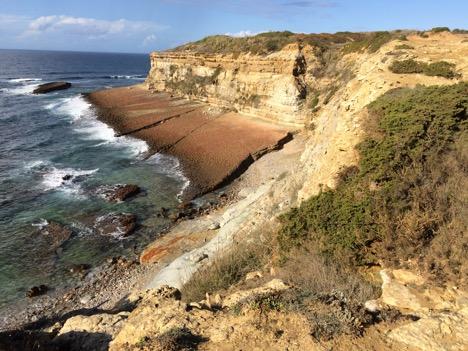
pixel 371 42
pixel 266 43
pixel 407 198
pixel 439 68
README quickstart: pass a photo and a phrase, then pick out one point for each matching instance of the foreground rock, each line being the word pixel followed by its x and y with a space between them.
pixel 53 86
pixel 90 333
pixel 118 225
pixel 441 314
pixel 118 192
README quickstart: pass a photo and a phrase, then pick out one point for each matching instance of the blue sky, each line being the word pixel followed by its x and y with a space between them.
pixel 146 25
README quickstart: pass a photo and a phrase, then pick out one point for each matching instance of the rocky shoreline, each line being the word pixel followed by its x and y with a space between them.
pixel 104 287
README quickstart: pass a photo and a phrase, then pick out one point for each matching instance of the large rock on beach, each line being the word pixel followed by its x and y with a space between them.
pixel 118 192
pixel 53 86
pixel 118 225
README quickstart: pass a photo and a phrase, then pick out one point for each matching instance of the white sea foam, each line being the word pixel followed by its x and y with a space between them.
pixel 21 80
pixel 65 179
pixel 171 167
pixel 23 86
pixel 21 90
pixel 34 164
pixel 136 77
pixel 86 123
pixel 42 223
pixel 75 107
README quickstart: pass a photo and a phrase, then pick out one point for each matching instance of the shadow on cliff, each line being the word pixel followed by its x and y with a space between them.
pixel 31 340
pixel 32 337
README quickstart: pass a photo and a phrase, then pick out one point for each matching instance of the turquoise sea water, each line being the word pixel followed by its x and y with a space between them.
pixel 45 137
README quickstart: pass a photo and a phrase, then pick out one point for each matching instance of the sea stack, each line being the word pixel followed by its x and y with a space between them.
pixel 53 86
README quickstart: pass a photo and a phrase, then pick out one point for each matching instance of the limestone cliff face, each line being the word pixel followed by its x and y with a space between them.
pixel 272 87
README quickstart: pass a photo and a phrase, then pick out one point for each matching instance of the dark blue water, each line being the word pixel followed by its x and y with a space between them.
pixel 45 137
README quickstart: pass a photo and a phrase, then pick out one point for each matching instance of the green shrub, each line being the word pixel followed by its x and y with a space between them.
pixel 407 66
pixel 372 42
pixel 440 68
pixel 440 29
pixel 460 31
pixel 404 47
pixel 407 196
pixel 266 43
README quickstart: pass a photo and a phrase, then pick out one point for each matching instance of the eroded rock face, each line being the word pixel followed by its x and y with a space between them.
pixel 53 86
pixel 118 225
pixel 442 313
pixel 90 332
pixel 272 86
pixel 118 192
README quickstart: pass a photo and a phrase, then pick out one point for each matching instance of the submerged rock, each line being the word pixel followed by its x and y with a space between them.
pixel 118 225
pixel 53 86
pixel 118 192
pixel 37 291
pixel 80 269
pixel 55 234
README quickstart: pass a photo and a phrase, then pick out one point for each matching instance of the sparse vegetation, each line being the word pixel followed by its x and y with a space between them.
pixel 372 42
pixel 192 84
pixel 404 47
pixel 265 43
pixel 226 270
pixel 313 99
pixel 407 198
pixel 440 29
pixel 440 68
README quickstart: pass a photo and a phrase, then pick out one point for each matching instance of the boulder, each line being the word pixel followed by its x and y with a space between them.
pixel 118 225
pixel 118 192
pixel 53 86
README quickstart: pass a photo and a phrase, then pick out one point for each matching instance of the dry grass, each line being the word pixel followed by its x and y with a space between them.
pixel 226 270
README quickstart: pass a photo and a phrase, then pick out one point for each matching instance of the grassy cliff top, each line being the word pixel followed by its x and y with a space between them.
pixel 268 42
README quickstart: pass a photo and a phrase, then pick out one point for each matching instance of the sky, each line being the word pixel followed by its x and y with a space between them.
pixel 143 26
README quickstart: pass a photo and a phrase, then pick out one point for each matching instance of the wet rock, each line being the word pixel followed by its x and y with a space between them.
pixel 37 290
pixel 116 224
pixel 67 177
pixel 53 86
pixel 118 192
pixel 55 234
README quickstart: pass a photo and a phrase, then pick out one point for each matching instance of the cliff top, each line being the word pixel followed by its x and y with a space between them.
pixel 269 42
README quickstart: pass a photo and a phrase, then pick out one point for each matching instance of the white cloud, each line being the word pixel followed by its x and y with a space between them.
pixel 89 27
pixel 149 39
pixel 242 34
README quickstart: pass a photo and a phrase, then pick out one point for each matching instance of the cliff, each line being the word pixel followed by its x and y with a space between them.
pixel 272 87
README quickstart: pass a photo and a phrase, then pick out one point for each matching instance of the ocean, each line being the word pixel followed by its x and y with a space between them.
pixel 44 138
